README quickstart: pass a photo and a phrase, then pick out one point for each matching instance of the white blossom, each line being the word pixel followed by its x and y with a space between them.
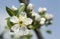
pixel 48 16
pixel 41 10
pixel 22 20
pixel 14 8
pixel 30 6
pixel 36 15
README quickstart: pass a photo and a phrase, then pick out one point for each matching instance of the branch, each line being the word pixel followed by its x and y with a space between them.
pixel 38 33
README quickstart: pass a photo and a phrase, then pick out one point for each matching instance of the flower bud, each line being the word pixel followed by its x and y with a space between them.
pixel 42 22
pixel 48 16
pixel 43 19
pixel 36 15
pixel 14 8
pixel 30 6
pixel 41 10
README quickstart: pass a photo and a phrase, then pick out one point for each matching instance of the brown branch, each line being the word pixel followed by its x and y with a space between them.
pixel 38 34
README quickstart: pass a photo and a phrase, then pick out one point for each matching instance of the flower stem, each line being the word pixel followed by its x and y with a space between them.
pixel 38 34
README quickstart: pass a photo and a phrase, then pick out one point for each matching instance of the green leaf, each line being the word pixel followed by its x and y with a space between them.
pixel 21 9
pixel 48 31
pixel 9 24
pixel 10 11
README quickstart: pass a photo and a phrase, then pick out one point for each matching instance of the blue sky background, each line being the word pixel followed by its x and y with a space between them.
pixel 53 7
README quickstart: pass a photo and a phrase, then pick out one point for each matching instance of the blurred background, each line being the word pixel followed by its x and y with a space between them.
pixel 53 7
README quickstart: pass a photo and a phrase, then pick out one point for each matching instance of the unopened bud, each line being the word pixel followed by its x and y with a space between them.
pixel 14 8
pixel 30 6
pixel 42 22
pixel 48 16
pixel 43 19
pixel 41 10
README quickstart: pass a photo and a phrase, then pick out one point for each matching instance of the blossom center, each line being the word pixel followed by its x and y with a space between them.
pixel 20 22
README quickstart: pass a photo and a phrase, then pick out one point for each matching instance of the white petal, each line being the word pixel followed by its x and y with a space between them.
pixel 23 31
pixel 14 19
pixel 26 32
pixel 13 7
pixel 28 21
pixel 15 28
pixel 19 33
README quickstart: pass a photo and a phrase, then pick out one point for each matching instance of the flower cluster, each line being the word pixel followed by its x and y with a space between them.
pixel 21 22
pixel 41 16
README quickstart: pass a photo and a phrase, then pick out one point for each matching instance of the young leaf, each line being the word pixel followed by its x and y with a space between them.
pixel 22 7
pixel 10 11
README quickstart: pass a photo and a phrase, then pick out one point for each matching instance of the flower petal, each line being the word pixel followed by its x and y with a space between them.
pixel 14 19
pixel 23 31
pixel 26 32
pixel 15 28
pixel 28 21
